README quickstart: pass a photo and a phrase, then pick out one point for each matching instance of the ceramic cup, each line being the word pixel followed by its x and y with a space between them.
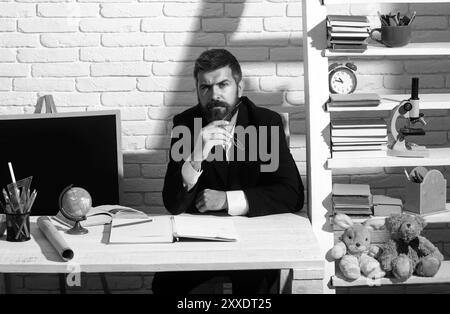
pixel 393 36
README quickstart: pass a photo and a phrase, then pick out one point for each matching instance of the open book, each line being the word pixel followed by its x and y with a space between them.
pixel 166 229
pixel 103 214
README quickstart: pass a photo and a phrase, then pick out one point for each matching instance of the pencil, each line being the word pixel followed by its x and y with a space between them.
pixel 16 189
pixel 133 223
pixel 407 174
pixel 11 171
pixel 33 197
pixel 412 18
pixel 381 18
pixel 5 196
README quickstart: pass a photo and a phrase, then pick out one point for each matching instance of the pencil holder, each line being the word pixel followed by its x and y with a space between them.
pixel 427 196
pixel 17 227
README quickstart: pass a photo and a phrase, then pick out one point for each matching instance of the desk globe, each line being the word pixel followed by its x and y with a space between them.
pixel 74 204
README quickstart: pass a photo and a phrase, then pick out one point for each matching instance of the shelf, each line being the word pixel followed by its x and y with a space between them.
pixel 330 2
pixel 412 49
pixel 440 218
pixel 388 102
pixel 438 157
pixel 443 276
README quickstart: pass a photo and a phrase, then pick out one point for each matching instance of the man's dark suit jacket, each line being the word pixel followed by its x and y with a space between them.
pixel 267 193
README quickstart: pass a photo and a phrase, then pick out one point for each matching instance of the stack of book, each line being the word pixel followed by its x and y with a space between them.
pixel 352 199
pixel 347 33
pixel 362 138
pixel 354 100
pixel 385 206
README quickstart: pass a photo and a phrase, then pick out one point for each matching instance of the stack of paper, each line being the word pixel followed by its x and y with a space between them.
pixel 352 199
pixel 385 206
pixel 362 138
pixel 347 33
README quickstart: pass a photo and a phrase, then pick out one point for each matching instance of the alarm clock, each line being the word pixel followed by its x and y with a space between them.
pixel 342 78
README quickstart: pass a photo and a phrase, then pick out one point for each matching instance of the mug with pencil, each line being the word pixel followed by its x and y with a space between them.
pixel 18 201
pixel 395 29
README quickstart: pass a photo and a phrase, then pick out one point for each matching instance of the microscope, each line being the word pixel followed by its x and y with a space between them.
pixel 409 110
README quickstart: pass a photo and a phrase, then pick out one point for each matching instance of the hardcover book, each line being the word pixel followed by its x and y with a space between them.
pixel 360 154
pixel 363 140
pixel 360 123
pixel 347 20
pixel 359 132
pixel 354 97
pixel 100 215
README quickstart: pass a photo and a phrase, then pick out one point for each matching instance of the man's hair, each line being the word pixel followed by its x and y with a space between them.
pixel 214 59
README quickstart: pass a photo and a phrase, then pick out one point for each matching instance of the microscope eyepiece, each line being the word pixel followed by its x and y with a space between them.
pixel 415 88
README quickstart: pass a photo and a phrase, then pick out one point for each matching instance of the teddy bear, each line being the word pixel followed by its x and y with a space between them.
pixel 356 253
pixel 407 252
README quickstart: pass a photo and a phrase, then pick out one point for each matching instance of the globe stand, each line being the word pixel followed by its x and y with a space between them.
pixel 77 229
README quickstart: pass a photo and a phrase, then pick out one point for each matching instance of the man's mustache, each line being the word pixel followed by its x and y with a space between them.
pixel 216 103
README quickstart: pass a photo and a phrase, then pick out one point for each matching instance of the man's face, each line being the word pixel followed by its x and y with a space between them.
pixel 218 93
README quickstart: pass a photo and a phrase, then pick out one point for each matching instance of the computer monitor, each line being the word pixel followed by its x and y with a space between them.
pixel 60 149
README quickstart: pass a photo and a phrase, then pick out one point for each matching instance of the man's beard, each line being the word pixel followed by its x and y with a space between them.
pixel 217 110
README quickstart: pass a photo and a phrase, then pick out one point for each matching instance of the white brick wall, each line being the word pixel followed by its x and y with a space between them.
pixel 137 56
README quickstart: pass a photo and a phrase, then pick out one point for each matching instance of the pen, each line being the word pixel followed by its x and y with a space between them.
pixel 236 143
pixel 133 223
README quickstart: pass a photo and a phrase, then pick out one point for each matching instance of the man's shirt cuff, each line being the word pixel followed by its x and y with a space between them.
pixel 237 203
pixel 189 174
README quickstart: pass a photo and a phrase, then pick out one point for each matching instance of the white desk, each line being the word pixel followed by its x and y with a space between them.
pixel 284 241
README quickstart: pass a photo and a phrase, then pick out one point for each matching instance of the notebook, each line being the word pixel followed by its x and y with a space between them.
pixel 167 229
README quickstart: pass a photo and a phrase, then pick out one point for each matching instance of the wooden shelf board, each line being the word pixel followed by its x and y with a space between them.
pixel 412 49
pixel 438 157
pixel 330 2
pixel 388 102
pixel 443 217
pixel 443 276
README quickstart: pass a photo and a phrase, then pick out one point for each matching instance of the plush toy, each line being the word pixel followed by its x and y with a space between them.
pixel 407 252
pixel 355 251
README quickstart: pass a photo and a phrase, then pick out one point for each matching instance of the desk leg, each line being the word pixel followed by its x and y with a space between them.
pixel 7 281
pixel 301 281
pixel 285 281
pixel 104 283
pixel 62 283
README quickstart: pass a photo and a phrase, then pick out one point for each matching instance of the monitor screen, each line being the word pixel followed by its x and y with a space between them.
pixel 61 149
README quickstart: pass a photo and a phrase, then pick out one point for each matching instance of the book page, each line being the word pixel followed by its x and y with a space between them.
pixel 96 219
pixel 117 210
pixel 156 229
pixel 208 228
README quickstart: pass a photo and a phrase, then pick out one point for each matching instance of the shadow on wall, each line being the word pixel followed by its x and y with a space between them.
pixel 248 47
pixel 216 32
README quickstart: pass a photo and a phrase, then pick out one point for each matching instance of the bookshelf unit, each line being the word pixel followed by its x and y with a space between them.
pixel 320 164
